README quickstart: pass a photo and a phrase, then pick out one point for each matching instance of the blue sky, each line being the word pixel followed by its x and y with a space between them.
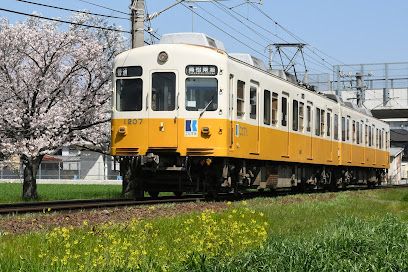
pixel 350 31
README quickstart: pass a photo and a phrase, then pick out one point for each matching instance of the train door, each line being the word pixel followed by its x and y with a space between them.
pixel 254 115
pixel 308 131
pixel 285 124
pixel 163 110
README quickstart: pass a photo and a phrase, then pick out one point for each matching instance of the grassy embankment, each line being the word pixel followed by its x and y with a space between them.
pixel 347 231
pixel 11 192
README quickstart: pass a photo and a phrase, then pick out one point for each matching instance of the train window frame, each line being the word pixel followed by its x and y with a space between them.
pixel 206 105
pixel 336 127
pixel 317 122
pixel 370 135
pixel 253 102
pixel 358 132
pixel 267 107
pixel 301 116
pixel 328 121
pixel 155 99
pixel 309 117
pixel 353 131
pixel 118 104
pixel 365 134
pixel 240 99
pixel 275 108
pixel 284 111
pixel 322 122
pixel 361 131
pixel 343 129
pixel 348 128
pixel 295 115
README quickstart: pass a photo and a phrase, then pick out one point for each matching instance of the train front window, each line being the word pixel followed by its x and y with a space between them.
pixel 201 94
pixel 129 94
pixel 163 91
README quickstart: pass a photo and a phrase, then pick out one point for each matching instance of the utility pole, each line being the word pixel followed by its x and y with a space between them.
pixel 138 15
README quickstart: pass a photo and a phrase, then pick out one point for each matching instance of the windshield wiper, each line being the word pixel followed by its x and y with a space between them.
pixel 206 107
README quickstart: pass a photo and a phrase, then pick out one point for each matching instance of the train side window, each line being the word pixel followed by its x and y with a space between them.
pixel 284 111
pixel 348 128
pixel 267 107
pixel 301 116
pixel 129 94
pixel 366 135
pixel 336 127
pixel 308 118
pixel 253 101
pixel 386 141
pixel 163 91
pixel 274 108
pixel 295 115
pixel 322 122
pixel 370 136
pixel 361 132
pixel 358 132
pixel 328 120
pixel 353 131
pixel 373 136
pixel 240 99
pixel 343 129
pixel 317 123
pixel 377 138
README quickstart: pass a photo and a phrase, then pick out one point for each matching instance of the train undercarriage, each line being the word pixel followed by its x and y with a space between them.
pixel 168 172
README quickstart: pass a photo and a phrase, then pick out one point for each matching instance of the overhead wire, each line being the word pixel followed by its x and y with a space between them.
pixel 104 7
pixel 72 10
pixel 63 21
pixel 293 34
pixel 231 12
pixel 225 32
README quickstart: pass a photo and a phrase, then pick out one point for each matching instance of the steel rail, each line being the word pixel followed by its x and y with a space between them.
pixel 85 204
pixel 48 206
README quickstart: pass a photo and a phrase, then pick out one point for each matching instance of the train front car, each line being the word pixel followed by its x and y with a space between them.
pixel 169 120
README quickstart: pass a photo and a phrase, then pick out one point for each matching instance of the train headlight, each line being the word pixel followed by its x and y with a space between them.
pixel 122 130
pixel 162 58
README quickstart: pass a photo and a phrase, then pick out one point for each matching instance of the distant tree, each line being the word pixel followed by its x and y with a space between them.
pixel 54 88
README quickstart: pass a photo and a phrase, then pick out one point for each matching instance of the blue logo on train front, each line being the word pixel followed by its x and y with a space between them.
pixel 191 128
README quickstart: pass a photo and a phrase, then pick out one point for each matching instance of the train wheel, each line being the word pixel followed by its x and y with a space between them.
pixel 153 194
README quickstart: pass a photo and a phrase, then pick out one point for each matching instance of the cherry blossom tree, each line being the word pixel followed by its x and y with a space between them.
pixel 54 88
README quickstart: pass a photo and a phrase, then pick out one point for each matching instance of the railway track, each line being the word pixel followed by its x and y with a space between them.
pixel 47 206
pixel 64 205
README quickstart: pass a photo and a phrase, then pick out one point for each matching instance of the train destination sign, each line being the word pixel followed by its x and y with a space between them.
pixel 130 71
pixel 201 70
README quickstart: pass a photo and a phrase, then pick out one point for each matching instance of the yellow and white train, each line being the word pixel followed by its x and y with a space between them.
pixel 187 116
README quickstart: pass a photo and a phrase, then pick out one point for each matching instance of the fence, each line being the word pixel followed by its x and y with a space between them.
pixel 103 168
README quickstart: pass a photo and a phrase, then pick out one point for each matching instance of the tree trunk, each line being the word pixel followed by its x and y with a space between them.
pixel 131 182
pixel 125 173
pixel 30 169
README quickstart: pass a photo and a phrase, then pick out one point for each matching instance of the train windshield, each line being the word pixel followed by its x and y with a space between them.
pixel 201 94
pixel 129 94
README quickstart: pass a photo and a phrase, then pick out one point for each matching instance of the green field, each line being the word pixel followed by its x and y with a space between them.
pixel 11 192
pixel 346 231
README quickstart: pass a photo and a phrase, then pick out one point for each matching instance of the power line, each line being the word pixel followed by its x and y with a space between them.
pixel 218 19
pixel 292 34
pixel 104 7
pixel 73 10
pixel 63 21
pixel 229 11
pixel 223 31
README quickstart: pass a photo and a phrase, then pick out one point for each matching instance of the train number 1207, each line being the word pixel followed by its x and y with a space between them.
pixel 133 121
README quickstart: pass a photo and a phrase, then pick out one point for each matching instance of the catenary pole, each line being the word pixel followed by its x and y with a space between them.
pixel 138 16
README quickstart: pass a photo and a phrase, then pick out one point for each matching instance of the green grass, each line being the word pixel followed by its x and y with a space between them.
pixel 346 231
pixel 11 192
